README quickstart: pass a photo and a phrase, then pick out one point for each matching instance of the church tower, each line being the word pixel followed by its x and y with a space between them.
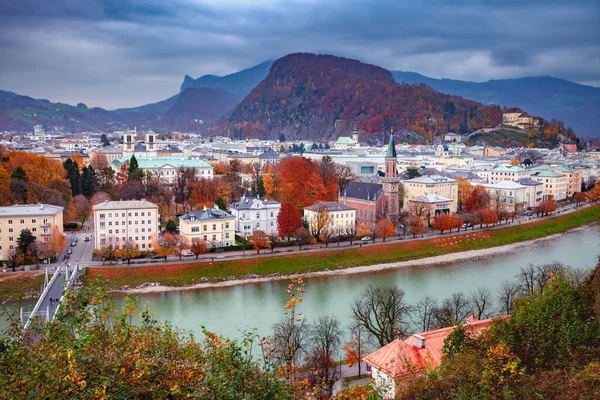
pixel 128 141
pixel 391 181
pixel 150 142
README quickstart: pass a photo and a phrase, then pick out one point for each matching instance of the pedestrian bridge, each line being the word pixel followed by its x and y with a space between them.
pixel 52 296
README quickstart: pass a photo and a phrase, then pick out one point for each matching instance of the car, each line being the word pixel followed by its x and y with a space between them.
pixel 119 261
pixel 188 254
pixel 87 239
pixel 467 225
pixel 69 251
pixel 156 257
pixel 73 244
pixel 366 238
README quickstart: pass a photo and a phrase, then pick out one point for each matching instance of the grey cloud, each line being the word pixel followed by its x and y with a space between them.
pixel 127 53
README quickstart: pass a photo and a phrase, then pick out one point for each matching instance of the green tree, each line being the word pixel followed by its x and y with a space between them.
pixel 73 176
pixel 133 172
pixel 24 241
pixel 219 202
pixel 412 173
pixel 327 146
pixel 88 181
pixel 171 226
pixel 18 185
pixel 104 140
pixel 281 138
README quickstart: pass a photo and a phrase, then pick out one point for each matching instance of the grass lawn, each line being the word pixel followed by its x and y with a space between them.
pixel 18 287
pixel 180 275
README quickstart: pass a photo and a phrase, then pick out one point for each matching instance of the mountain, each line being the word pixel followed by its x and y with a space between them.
pixel 543 96
pixel 239 84
pixel 305 96
pixel 198 108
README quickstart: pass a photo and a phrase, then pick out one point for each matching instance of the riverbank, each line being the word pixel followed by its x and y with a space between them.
pixel 441 250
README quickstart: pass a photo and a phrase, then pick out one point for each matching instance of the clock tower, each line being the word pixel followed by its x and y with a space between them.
pixel 391 182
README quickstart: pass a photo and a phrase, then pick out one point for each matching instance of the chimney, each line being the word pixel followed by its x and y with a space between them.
pixel 419 341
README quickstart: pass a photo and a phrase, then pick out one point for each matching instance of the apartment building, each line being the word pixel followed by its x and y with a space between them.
pixel 340 217
pixel 253 214
pixel 555 184
pixel 509 173
pixel 429 185
pixel 125 222
pixel 535 191
pixel 508 195
pixel 214 226
pixel 574 179
pixel 40 219
pixel 166 168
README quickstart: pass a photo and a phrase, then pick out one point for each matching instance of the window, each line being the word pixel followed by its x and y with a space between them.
pixel 271 214
pixel 136 214
pixel 143 214
pixel 227 235
pixel 149 229
pixel 205 238
pixel 137 238
pixel 33 229
pixel 129 214
pixel 102 225
pixel 195 229
pixel 116 231
pixel 149 222
pixel 110 231
pixel 143 229
pixel 11 247
pixel 10 230
pixel 11 239
pixel 214 227
pixel 109 215
pixel 123 215
pixel 205 228
pixel 143 237
pixel 109 223
pixel 257 215
pixel 226 225
pixel 10 221
pixel 33 221
pixel 214 237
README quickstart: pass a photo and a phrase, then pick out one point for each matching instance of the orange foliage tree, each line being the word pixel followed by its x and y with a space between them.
pixel 289 220
pixel 594 194
pixel 300 182
pixel 164 245
pixel 477 200
pixel 56 243
pixel 486 216
pixel 198 247
pixel 5 193
pixel 260 241
pixel 464 191
pixel 546 207
pixel 415 225
pixel 204 192
pixel 579 198
pixel 444 222
pixel 385 228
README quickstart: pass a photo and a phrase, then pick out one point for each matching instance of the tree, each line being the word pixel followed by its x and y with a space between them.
pixel 98 161
pixel 363 231
pixel 579 198
pixel 88 181
pixel 24 241
pixel 547 206
pixel 164 245
pixel 15 258
pixel 454 310
pixel 281 138
pixel 129 251
pixel 423 317
pixel 99 197
pixel 444 222
pixel 289 220
pixel 503 215
pixel 385 228
pixel 298 181
pixel 56 243
pixel 326 338
pixel 320 221
pixel 132 173
pixel 507 293
pixel 412 173
pixel 81 208
pixel 219 202
pixel 180 245
pixel 6 197
pixel 464 191
pixel 259 240
pixel 171 226
pixel 302 237
pixel 382 312
pixel 486 216
pixel 73 175
pixel 198 247
pixel 109 251
pixel 415 226
pixel 104 140
pixel 357 347
pixel 478 199
pixel 481 301
pixel 273 241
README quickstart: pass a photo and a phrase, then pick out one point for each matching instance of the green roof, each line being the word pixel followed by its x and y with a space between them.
pixel 512 168
pixel 547 174
pixel 391 150
pixel 345 140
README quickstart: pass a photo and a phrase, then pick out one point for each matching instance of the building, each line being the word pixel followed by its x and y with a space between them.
pixel 165 168
pixel 375 200
pixel 508 173
pixel 340 217
pixel 40 219
pixel 517 118
pixel 555 184
pixel 214 226
pixel 574 179
pixel 253 214
pixel 430 206
pixel 423 186
pixel 508 195
pixel 131 146
pixel 400 359
pixel 535 191
pixel 125 222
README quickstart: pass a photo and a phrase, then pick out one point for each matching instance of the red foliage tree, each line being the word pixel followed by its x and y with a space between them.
pixel 546 207
pixel 478 200
pixel 385 228
pixel 300 182
pixel 486 216
pixel 415 225
pixel 289 220
pixel 444 222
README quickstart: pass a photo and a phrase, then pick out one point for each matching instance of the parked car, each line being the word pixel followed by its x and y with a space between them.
pixel 188 254
pixel 119 261
pixel 87 239
pixel 69 251
pixel 73 244
pixel 366 238
pixel 156 257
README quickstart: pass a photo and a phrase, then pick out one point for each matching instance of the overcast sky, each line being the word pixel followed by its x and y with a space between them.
pixel 131 52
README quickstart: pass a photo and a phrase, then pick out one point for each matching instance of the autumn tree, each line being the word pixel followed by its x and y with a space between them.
pixel 325 336
pixel 579 198
pixel 319 219
pixel 302 237
pixel 477 200
pixel 81 208
pixel 357 347
pixel 385 228
pixel 6 197
pixel 383 312
pixel 547 206
pixel 486 216
pixel 504 215
pixel 415 226
pixel 464 191
pixel 128 251
pixel 56 243
pixel 204 192
pixel 443 222
pixel 260 241
pixel 99 197
pixel 299 182
pixel 109 251
pixel 363 231
pixel 19 185
pixel 164 245
pixel 98 161
pixel 289 220
pixel 198 247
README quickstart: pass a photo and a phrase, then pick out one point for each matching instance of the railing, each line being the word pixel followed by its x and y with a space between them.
pixel 41 299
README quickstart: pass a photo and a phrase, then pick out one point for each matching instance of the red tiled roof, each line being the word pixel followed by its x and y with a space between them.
pixel 403 357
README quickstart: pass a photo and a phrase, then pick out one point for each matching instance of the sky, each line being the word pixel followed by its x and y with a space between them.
pixel 125 53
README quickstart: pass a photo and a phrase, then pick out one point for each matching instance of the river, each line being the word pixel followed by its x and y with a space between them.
pixel 227 311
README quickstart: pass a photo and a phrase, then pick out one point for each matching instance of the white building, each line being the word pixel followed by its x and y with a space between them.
pixel 508 195
pixel 212 225
pixel 252 214
pixel 535 191
pixel 340 218
pixel 165 168
pixel 125 222
pixel 510 173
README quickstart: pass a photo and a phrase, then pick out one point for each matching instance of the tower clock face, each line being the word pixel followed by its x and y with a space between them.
pixel 387 187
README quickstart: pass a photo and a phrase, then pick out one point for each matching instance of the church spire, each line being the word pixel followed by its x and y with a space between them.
pixel 391 150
